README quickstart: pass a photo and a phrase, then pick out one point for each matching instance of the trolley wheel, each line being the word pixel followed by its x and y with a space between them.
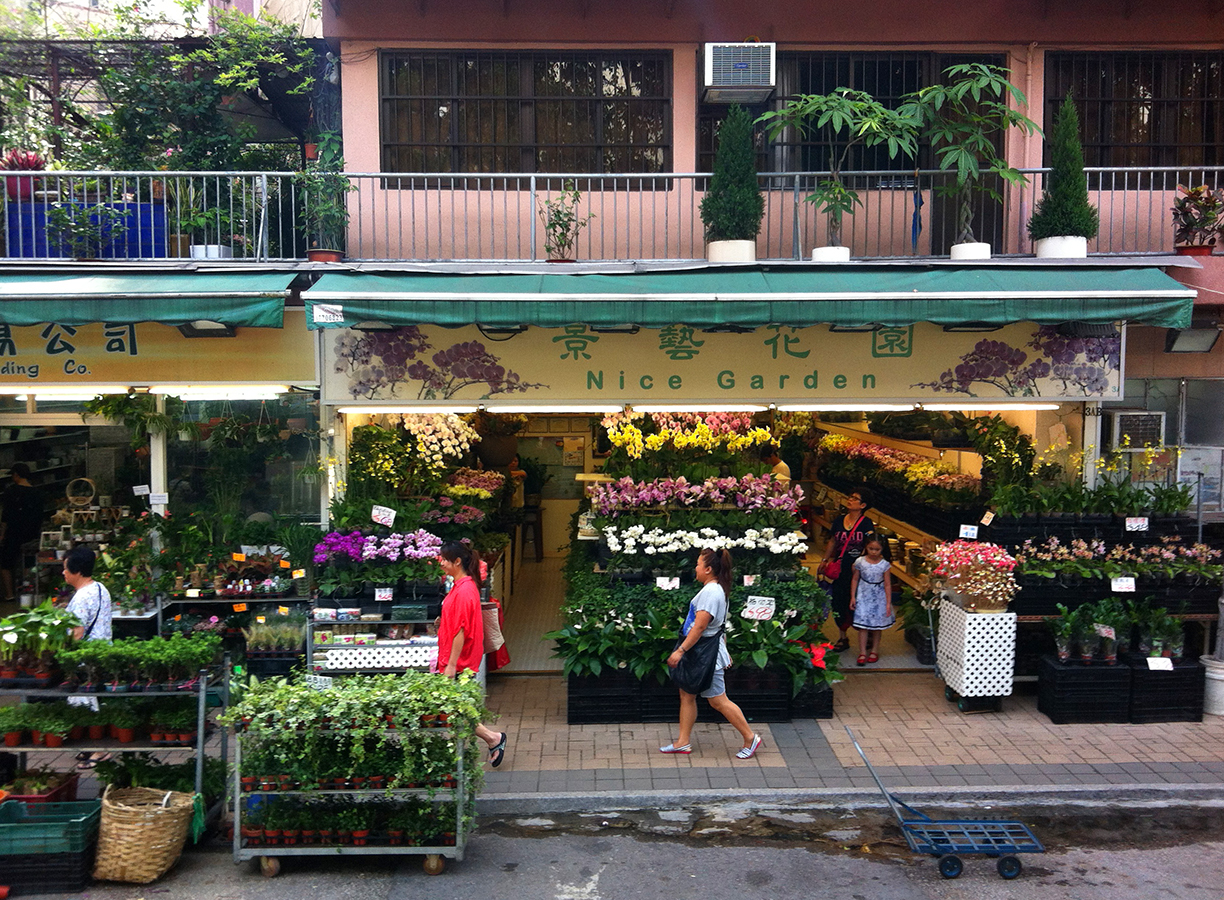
pixel 950 866
pixel 1009 867
pixel 269 866
pixel 949 694
pixel 434 864
pixel 963 705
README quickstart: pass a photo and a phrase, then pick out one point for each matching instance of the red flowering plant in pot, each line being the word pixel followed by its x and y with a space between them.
pixel 21 188
pixel 1198 217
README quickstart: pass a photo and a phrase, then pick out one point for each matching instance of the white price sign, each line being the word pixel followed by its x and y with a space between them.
pixel 759 608
pixel 159 499
pixel 749 580
pixel 318 682
pixel 1136 523
pixel 1159 664
pixel 969 532
pixel 667 584
pixel 383 594
pixel 383 515
pixel 140 490
pixel 988 517
pixel 1103 630
pixel 1123 585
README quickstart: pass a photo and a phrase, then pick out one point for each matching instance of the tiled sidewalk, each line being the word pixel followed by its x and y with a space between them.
pixel 912 735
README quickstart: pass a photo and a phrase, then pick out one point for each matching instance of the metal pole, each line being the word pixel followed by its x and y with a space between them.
pixel 1198 492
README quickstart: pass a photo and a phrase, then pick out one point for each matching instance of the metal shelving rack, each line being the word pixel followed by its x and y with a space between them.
pixel 435 856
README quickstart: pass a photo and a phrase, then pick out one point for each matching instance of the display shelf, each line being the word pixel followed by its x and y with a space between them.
pixel 922 448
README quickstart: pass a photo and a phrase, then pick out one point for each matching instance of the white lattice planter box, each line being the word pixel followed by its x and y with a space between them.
pixel 379 657
pixel 977 651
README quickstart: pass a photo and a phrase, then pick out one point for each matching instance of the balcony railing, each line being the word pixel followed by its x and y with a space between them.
pixel 264 216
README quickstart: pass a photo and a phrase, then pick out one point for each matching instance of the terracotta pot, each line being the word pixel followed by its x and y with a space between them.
pixel 272 836
pixel 54 740
pixel 1194 250
pixel 290 836
pixel 157 737
pixel 125 735
pixel 325 255
pixel 309 836
pixel 249 782
pixel 36 737
pixel 96 732
pixel 310 150
pixel 252 835
pixel 12 738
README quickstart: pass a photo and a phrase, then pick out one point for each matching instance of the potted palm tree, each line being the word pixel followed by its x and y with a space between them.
pixel 841 121
pixel 960 119
pixel 1064 220
pixel 733 207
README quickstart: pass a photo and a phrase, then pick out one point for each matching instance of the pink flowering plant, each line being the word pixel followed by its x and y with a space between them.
pixel 1080 559
pixel 927 480
pixel 349 558
pixel 615 498
pixel 981 573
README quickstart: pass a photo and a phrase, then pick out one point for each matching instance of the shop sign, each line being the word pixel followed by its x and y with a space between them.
pixel 147 353
pixel 576 364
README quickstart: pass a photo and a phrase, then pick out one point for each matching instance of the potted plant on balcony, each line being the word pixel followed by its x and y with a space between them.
pixel 85 231
pixel 562 223
pixel 1064 220
pixel 21 188
pixel 733 207
pixel 324 187
pixel 840 121
pixel 961 119
pixel 1198 216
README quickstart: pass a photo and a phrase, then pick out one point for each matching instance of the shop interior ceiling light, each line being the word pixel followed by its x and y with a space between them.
pixel 988 407
pixel 846 407
pixel 572 409
pixel 60 391
pixel 712 406
pixel 221 391
pixel 400 409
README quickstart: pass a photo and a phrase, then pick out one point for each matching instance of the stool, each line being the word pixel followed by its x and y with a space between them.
pixel 533 522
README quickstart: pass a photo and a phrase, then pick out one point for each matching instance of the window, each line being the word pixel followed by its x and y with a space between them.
pixel 604 112
pixel 885 76
pixel 1143 109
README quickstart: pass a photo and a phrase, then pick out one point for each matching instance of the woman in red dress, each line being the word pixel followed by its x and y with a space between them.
pixel 461 629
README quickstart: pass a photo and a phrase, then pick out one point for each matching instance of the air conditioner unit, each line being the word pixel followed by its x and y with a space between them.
pixel 739 73
pixel 1135 431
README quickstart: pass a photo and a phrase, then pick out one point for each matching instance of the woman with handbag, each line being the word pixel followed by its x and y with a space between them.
pixel 847 537
pixel 701 655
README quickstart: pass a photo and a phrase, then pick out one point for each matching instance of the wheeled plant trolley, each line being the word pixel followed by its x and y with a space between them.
pixel 947 839
pixel 976 655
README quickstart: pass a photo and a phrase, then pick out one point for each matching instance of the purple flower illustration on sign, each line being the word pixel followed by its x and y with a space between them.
pixel 1077 365
pixel 378 362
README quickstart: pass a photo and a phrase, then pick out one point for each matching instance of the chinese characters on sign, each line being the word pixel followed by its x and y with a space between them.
pixel 576 339
pixel 59 340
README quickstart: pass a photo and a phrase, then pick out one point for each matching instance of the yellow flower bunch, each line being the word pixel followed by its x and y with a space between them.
pixel 701 437
pixel 926 471
pixel 465 492
pixel 628 436
pixel 836 443
pixel 739 442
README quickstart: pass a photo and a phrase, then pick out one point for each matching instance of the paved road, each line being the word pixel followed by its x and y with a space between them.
pixel 619 866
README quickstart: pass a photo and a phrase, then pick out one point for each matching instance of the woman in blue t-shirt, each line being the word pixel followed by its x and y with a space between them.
pixel 706 614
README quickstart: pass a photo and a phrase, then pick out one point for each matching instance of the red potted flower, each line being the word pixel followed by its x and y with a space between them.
pixel 20 188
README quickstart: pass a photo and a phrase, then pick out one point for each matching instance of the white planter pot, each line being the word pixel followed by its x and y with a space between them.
pixel 1213 693
pixel 831 254
pixel 970 251
pixel 1065 246
pixel 731 251
pixel 211 251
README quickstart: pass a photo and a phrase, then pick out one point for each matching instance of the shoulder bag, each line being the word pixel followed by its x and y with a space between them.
pixel 695 671
pixel 832 569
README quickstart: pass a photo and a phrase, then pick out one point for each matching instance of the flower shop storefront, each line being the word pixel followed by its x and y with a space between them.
pixel 687 374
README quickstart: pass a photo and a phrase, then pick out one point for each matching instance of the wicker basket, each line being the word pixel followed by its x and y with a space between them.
pixel 142 834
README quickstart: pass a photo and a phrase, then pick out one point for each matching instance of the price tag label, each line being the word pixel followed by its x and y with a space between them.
pixel 299 573
pixel 969 532
pixel 1103 630
pixel 261 619
pixel 1136 523
pixel 179 617
pixel 283 610
pixel 284 563
pixel 383 594
pixel 749 580
pixel 667 584
pixel 1123 585
pixel 238 557
pixel 1159 664
pixel 193 592
pixel 988 517
pixel 318 682
pixel 159 499
pixel 240 607
pixel 140 490
pixel 759 608
pixel 383 515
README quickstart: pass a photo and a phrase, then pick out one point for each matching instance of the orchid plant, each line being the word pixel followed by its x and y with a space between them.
pixel 981 573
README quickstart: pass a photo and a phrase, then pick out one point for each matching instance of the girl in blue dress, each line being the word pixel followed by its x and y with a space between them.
pixel 871 599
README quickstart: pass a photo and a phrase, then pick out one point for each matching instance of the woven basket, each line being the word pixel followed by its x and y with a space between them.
pixel 142 833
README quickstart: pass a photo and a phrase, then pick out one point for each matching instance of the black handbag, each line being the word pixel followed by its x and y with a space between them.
pixel 695 671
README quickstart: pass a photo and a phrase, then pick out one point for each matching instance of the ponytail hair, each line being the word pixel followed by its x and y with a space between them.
pixel 465 555
pixel 719 562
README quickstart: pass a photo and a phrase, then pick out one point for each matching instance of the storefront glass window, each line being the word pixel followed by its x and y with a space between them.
pixel 1204 413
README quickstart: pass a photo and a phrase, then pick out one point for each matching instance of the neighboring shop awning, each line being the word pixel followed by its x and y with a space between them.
pixel 852 295
pixel 249 299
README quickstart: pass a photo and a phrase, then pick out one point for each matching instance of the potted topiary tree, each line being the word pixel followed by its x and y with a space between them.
pixel 840 121
pixel 733 207
pixel 960 119
pixel 1064 220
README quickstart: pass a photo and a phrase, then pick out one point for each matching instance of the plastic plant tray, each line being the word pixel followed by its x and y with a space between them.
pixel 47 827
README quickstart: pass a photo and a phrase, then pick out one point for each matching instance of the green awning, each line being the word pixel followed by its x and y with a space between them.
pixel 249 299
pixel 852 295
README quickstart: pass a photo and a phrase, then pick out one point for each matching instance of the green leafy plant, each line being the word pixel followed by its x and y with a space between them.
pixel 840 121
pixel 537 474
pixel 1198 215
pixel 324 188
pixel 85 230
pixel 1064 208
pixel 961 118
pixel 733 207
pixel 562 221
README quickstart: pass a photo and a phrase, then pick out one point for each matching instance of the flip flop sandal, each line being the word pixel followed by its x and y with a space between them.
pixel 498 752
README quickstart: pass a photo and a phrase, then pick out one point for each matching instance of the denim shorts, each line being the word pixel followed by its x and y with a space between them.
pixel 717 686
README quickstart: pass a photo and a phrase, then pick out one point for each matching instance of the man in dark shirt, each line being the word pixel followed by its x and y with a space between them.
pixel 20 522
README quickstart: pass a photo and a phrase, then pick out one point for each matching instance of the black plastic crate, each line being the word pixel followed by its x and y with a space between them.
pixel 48 873
pixel 1078 694
pixel 1161 696
pixel 608 699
